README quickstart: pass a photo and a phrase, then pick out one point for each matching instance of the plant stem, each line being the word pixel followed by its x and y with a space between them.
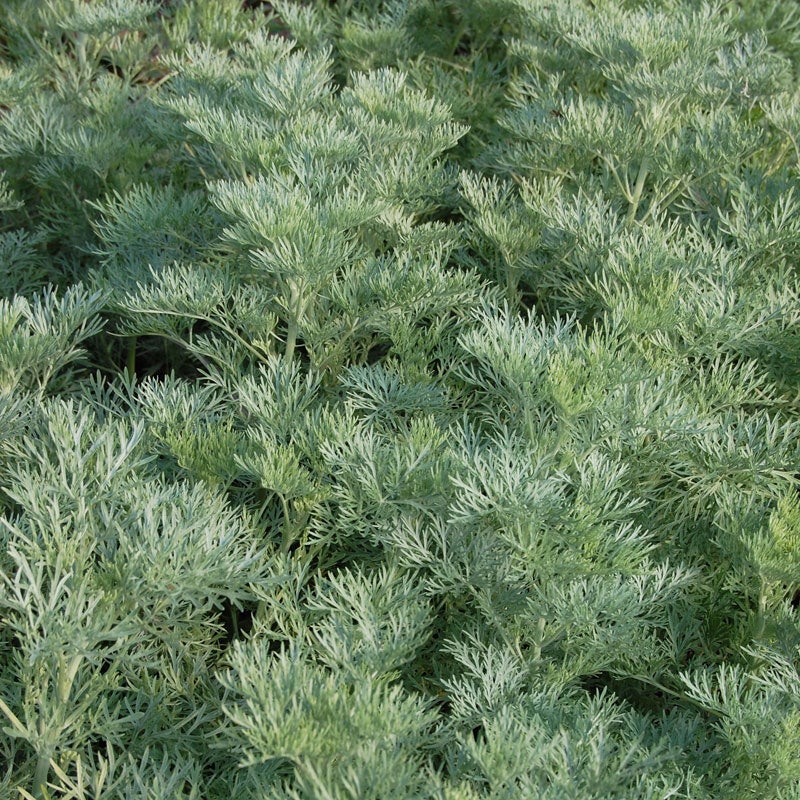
pixel 287 537
pixel 291 340
pixel 512 286
pixel 295 312
pixel 40 776
pixel 537 649
pixel 637 190
pixel 462 29
pixel 762 611
pixel 626 191
pixel 81 41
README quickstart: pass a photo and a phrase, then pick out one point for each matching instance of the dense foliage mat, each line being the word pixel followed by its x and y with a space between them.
pixel 399 399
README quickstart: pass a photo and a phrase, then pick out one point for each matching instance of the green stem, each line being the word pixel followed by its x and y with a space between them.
pixel 295 312
pixel 761 618
pixel 637 190
pixel 537 649
pixel 40 776
pixel 44 752
pixel 65 678
pixel 287 537
pixel 777 162
pixel 512 283
pixel 462 29
pixel 623 187
pixel 259 354
pixel 81 41
pixel 672 692
pixel 676 188
pixel 291 339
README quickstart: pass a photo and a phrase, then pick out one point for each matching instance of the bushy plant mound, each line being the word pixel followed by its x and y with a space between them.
pixel 399 399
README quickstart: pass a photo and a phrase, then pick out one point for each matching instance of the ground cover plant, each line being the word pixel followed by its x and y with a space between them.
pixel 399 399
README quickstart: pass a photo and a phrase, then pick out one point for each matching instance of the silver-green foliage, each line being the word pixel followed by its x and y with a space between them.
pixel 399 400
